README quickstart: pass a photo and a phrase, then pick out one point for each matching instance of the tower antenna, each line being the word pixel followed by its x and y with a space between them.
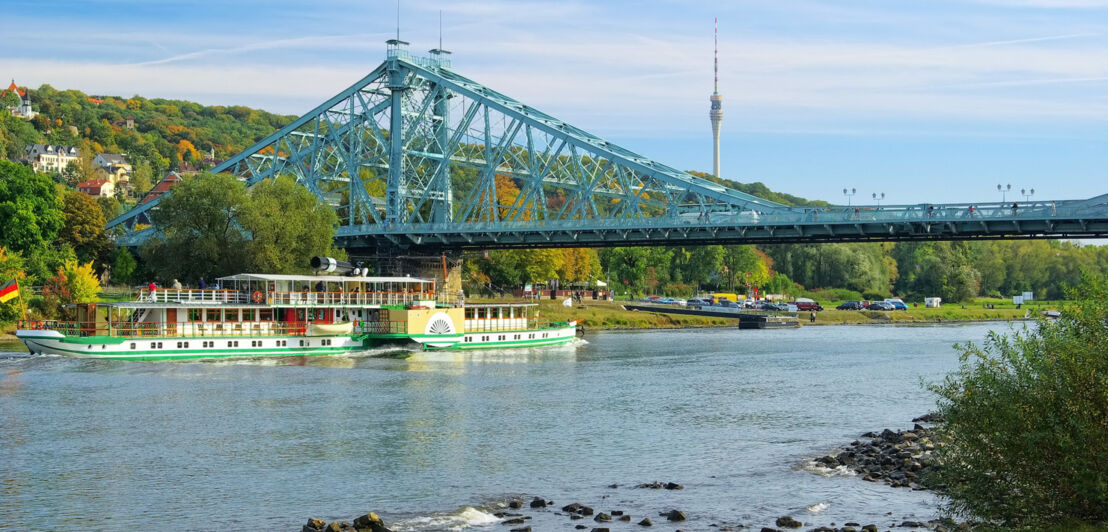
pixel 440 29
pixel 398 20
pixel 716 112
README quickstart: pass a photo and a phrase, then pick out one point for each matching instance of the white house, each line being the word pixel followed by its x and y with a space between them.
pixel 49 158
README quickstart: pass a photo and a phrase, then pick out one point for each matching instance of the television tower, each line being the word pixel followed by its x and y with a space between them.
pixel 716 114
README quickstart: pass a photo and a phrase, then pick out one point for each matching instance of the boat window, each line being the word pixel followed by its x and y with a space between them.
pixel 212 314
pixel 196 314
pixel 247 314
pixel 482 313
pixel 469 314
pixel 231 314
pixel 132 345
pixel 265 314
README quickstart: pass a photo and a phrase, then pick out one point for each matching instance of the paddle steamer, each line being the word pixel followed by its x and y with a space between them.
pixel 262 315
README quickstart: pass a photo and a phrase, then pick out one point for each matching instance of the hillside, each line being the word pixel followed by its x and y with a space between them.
pixel 161 133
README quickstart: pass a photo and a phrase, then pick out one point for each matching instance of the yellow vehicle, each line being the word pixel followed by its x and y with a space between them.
pixel 730 297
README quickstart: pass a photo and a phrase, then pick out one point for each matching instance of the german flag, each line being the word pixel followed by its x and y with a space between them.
pixel 9 291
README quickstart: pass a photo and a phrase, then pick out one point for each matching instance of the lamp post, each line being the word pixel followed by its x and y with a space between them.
pixel 878 198
pixel 1003 192
pixel 1027 194
pixel 848 194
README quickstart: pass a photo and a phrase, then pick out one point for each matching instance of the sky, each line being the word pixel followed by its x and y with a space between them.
pixel 923 101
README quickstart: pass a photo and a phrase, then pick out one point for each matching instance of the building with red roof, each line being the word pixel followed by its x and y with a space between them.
pixel 97 187
pixel 23 109
pixel 163 186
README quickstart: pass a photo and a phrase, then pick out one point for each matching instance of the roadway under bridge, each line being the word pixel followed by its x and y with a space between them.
pixel 417 159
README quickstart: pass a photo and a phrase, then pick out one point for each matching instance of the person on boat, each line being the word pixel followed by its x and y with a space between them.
pixel 201 284
pixel 177 285
pixel 319 286
pixel 152 287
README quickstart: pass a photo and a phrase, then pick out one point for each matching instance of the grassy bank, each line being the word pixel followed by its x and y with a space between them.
pixel 610 315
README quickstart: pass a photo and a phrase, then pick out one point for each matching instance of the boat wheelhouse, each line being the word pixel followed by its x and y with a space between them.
pixel 249 315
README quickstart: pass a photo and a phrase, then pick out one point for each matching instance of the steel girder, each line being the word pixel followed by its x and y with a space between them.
pixel 465 156
pixel 471 168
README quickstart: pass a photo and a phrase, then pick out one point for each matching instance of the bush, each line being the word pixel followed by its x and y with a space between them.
pixel 833 294
pixel 1026 419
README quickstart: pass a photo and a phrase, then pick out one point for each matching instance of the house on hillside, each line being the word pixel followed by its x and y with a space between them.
pixel 49 158
pixel 23 108
pixel 127 123
pixel 113 166
pixel 97 187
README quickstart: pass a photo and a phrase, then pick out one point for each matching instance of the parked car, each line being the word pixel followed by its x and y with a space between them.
pixel 779 307
pixel 696 302
pixel 880 305
pixel 852 305
pixel 804 304
pixel 897 304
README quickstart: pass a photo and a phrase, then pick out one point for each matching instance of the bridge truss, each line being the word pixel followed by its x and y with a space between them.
pixel 417 157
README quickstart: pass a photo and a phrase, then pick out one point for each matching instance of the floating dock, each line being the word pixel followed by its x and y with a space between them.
pixel 747 319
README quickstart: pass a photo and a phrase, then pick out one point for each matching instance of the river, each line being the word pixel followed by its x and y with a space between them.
pixel 732 415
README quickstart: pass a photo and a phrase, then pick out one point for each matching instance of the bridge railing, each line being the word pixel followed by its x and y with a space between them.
pixel 833 214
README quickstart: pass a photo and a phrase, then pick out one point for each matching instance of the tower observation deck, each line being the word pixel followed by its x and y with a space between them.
pixel 716 114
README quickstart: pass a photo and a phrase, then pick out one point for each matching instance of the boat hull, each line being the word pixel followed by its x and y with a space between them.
pixel 111 348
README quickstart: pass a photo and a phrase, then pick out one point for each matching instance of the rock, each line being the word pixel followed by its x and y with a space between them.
pixel 788 522
pixel 515 504
pixel 601 530
pixel 314 525
pixel 674 486
pixel 869 528
pixel 333 527
pixel 585 510
pixel 514 521
pixel 911 524
pixel 617 512
pixel 601 517
pixel 625 518
pixel 370 522
pixel 613 486
pixel 823 529
pixel 646 522
pixel 521 529
pixel 652 485
pixel 571 508
pixel 851 523
pixel 580 527
pixel 768 529
pixel 538 502
pixel 676 515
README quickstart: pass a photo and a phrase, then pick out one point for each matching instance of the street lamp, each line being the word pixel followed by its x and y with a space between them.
pixel 878 198
pixel 848 194
pixel 1003 192
pixel 1027 194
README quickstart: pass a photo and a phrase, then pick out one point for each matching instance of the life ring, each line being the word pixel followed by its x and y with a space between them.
pixel 257 296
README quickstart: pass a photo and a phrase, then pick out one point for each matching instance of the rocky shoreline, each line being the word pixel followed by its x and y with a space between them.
pixel 899 459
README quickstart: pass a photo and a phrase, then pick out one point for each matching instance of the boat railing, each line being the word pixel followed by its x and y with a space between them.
pixel 305 298
pixel 338 299
pixel 192 295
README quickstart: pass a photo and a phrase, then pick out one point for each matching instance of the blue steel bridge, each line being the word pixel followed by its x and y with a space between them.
pixel 417 158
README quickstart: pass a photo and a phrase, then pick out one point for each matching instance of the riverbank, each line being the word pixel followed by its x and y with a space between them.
pixel 609 315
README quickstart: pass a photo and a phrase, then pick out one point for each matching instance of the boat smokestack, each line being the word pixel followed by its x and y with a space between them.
pixel 329 265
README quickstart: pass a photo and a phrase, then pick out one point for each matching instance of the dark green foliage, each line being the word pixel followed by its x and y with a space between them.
pixel 212 226
pixel 29 208
pixel 123 266
pixel 1027 419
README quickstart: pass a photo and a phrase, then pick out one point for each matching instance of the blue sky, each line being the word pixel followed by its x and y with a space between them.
pixel 930 101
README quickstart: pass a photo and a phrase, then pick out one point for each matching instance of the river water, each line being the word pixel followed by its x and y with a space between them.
pixel 436 441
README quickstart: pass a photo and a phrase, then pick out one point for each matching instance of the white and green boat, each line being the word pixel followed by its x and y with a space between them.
pixel 260 315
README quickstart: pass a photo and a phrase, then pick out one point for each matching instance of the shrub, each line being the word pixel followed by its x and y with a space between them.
pixel 834 294
pixel 1026 419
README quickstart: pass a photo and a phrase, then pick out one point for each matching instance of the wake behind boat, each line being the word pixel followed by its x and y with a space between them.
pixel 253 315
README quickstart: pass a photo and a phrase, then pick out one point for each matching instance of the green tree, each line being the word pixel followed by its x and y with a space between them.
pixel 142 179
pixel 123 266
pixel 29 207
pixel 84 228
pixel 200 232
pixel 1026 417
pixel 73 283
pixel 287 225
